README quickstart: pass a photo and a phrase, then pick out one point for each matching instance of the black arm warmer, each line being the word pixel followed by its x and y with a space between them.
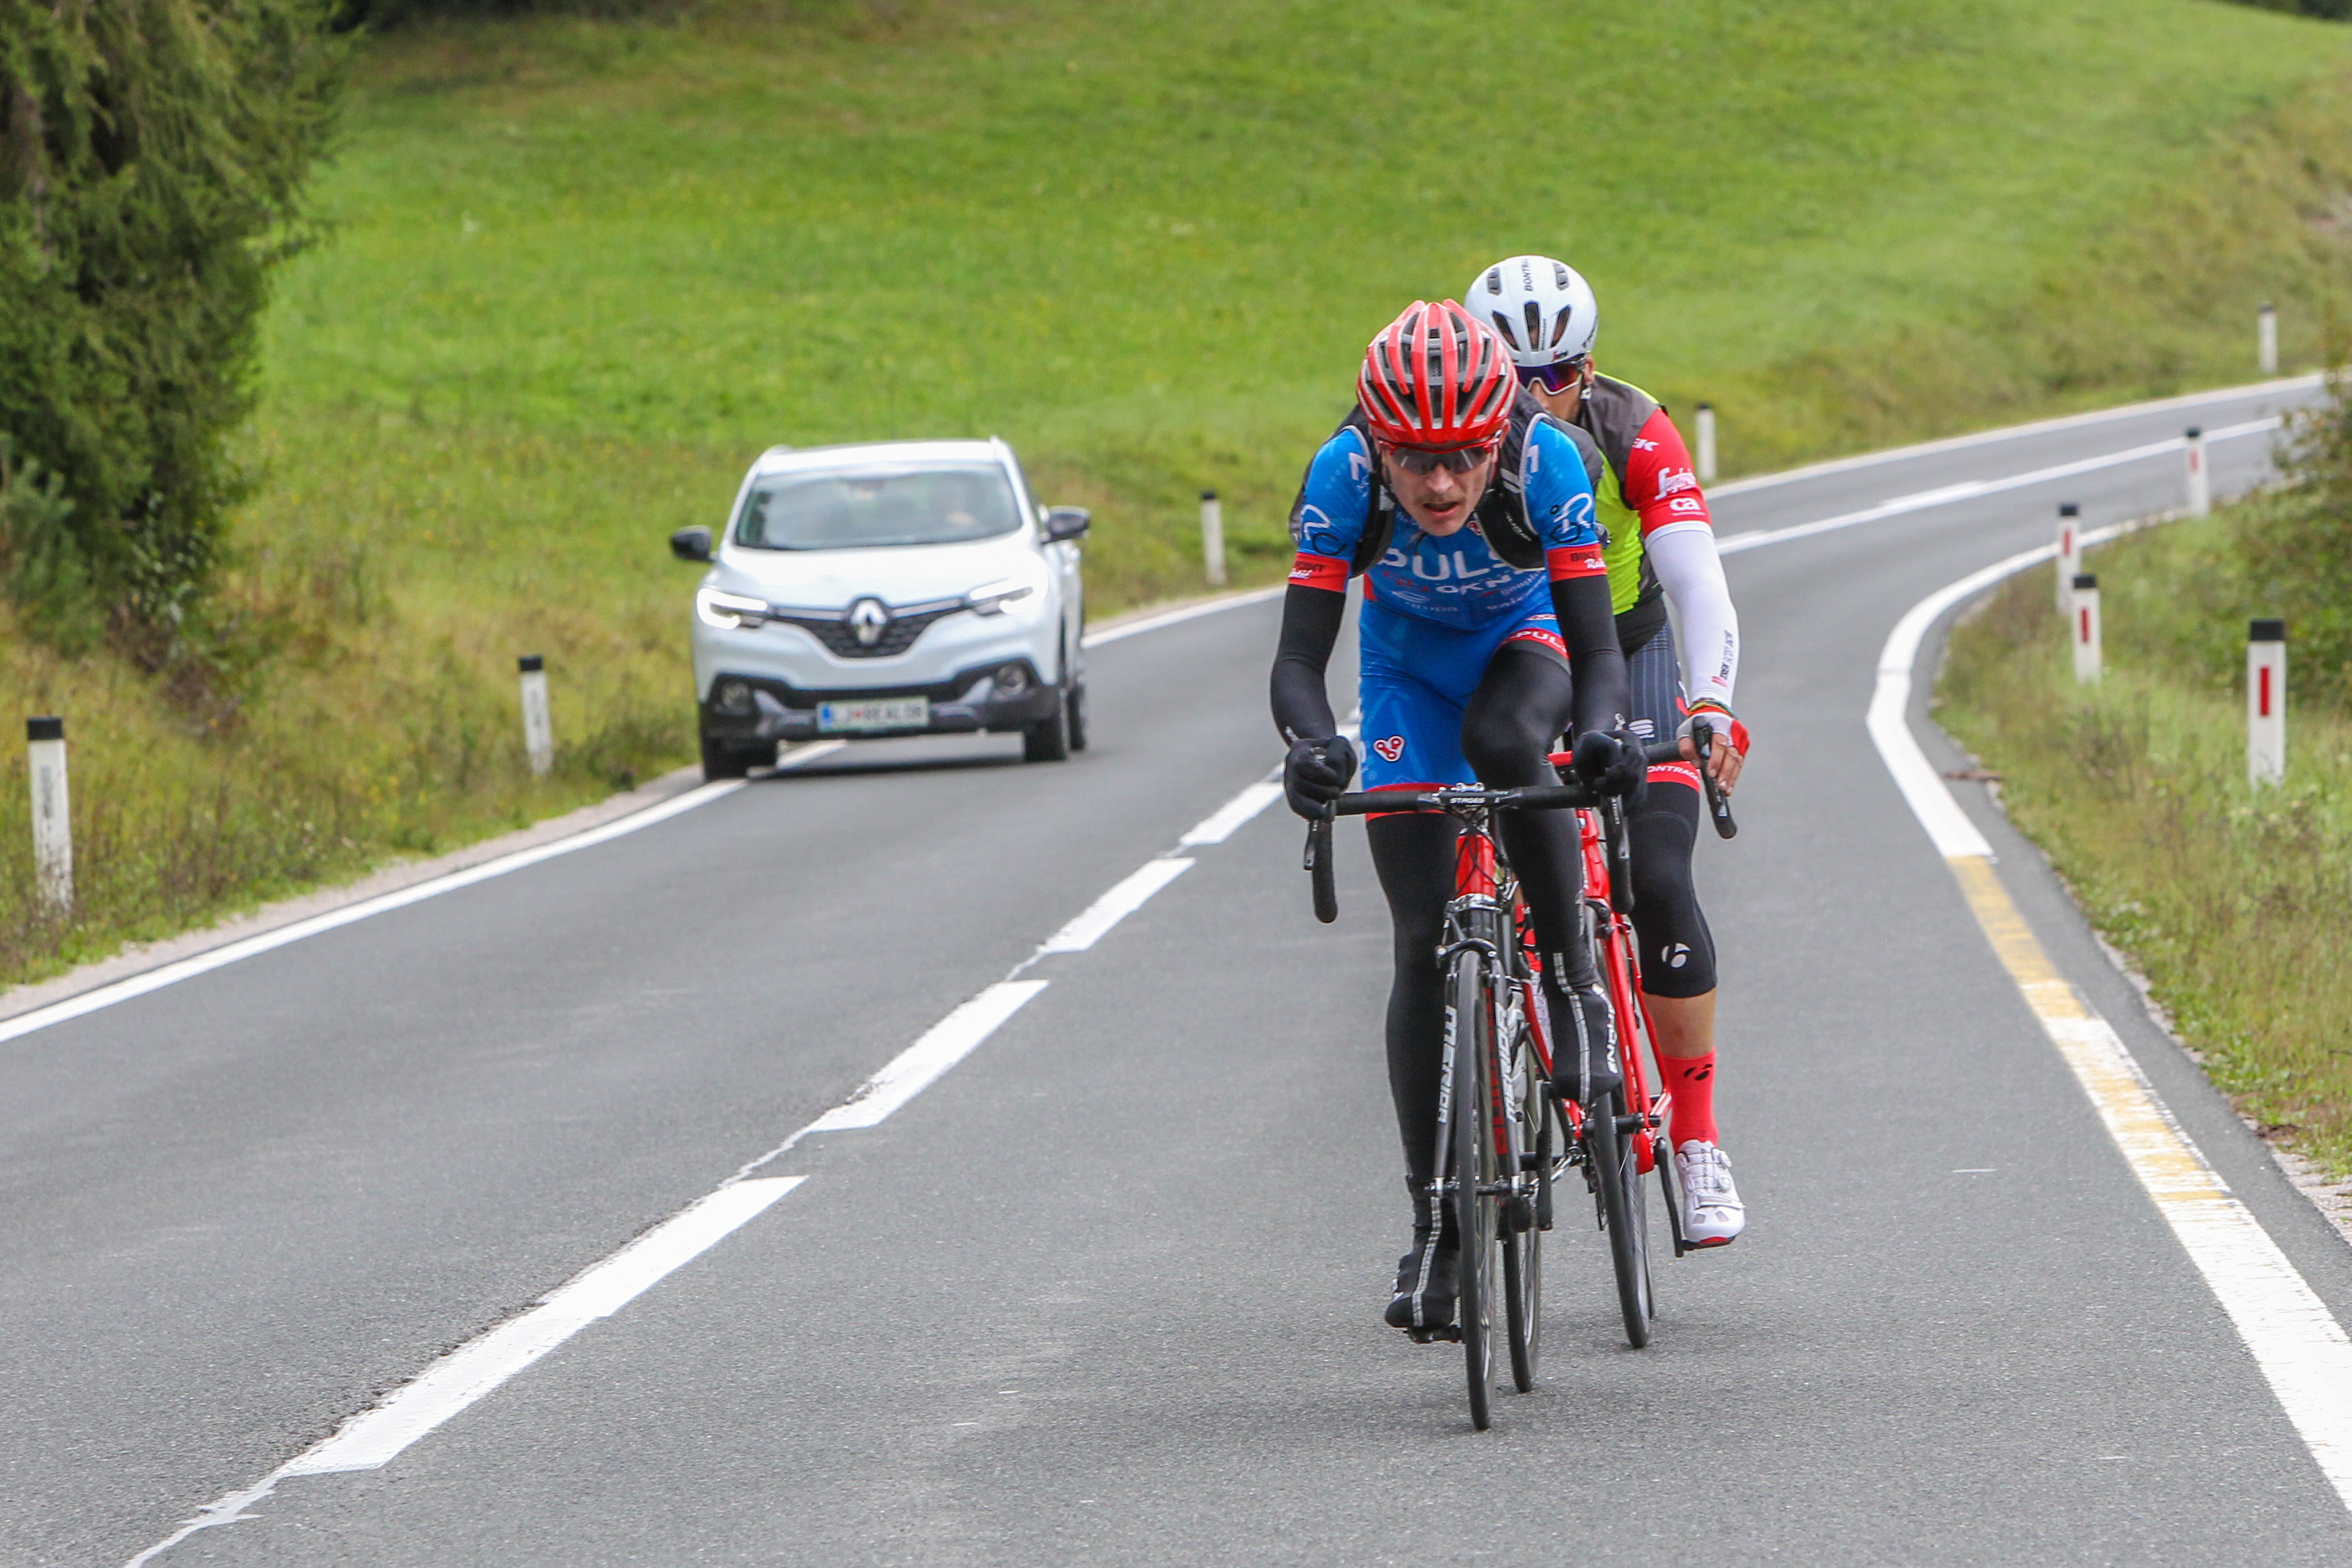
pixel 1310 630
pixel 1604 698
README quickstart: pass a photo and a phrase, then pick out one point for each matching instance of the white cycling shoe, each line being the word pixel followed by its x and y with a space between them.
pixel 1712 1212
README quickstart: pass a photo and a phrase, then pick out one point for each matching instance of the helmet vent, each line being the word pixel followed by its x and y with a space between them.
pixel 1494 280
pixel 1503 325
pixel 1534 313
pixel 1561 325
pixel 1559 275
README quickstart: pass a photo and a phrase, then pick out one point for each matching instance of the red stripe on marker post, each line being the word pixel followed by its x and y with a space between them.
pixel 2086 628
pixel 2266 703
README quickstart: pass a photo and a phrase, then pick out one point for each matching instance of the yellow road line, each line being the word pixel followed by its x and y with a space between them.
pixel 2300 1347
pixel 2301 1350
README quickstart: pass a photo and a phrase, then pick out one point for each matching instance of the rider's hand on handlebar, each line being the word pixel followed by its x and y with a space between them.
pixel 1729 753
pixel 1315 773
pixel 1612 763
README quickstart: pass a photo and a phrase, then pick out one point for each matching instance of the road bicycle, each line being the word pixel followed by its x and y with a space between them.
pixel 1504 1139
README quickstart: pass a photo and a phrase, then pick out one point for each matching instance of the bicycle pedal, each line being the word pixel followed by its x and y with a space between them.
pixel 1451 1333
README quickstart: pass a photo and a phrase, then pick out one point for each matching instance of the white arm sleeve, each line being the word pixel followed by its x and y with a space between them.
pixel 1692 574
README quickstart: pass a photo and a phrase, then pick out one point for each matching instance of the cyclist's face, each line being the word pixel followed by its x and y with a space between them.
pixel 1440 501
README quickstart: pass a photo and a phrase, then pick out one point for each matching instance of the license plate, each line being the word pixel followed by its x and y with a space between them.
pixel 889 713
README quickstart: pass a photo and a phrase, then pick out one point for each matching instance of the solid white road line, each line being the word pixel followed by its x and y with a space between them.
pixel 220 958
pixel 2301 1349
pixel 2285 386
pixel 374 1438
pixel 155 979
pixel 1176 617
pixel 913 1069
pixel 1901 505
pixel 1226 820
pixel 1088 929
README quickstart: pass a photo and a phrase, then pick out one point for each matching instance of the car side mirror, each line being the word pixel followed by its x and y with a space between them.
pixel 1067 523
pixel 691 544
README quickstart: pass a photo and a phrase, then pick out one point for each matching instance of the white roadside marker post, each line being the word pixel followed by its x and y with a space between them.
pixel 2266 338
pixel 52 813
pixel 538 728
pixel 2201 486
pixel 2266 703
pixel 1212 537
pixel 2070 553
pixel 1706 444
pixel 2086 628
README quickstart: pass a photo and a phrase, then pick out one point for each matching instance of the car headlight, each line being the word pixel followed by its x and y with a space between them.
pixel 719 608
pixel 992 599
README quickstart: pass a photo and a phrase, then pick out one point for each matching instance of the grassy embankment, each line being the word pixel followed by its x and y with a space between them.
pixel 2236 903
pixel 582 270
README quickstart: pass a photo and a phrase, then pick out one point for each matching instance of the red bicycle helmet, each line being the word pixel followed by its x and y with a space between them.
pixel 1437 377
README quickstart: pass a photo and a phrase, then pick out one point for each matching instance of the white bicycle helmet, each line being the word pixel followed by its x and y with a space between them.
pixel 1544 309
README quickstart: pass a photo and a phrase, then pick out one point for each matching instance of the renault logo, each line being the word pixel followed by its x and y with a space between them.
pixel 867 618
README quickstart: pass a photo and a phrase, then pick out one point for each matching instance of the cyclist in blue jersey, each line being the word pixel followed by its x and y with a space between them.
pixel 1486 633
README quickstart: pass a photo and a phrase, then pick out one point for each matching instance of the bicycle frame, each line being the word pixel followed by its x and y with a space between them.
pixel 1617 956
pixel 1476 923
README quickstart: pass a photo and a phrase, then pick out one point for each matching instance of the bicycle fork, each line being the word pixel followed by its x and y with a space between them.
pixel 1471 920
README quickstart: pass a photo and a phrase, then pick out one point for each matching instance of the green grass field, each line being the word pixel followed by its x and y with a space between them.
pixel 2236 903
pixel 581 271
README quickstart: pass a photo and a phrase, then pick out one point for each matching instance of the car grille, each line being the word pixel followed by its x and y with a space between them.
pixel 840 638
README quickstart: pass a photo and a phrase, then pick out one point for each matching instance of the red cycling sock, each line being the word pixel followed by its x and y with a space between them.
pixel 1690 1081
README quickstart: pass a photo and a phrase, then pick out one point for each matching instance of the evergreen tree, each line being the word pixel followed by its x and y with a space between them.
pixel 153 155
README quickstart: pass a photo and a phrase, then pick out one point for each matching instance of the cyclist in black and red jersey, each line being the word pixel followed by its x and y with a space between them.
pixel 1661 550
pixel 1485 633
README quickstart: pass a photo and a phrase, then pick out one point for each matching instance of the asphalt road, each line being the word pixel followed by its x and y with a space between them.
pixel 1109 1291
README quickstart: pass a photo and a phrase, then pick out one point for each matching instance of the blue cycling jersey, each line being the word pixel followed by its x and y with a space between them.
pixel 1457 581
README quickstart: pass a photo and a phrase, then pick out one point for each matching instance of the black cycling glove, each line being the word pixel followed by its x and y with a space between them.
pixel 1315 773
pixel 1613 764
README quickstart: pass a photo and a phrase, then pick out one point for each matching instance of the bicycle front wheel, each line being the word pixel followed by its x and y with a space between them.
pixel 1523 1302
pixel 1470 1033
pixel 1525 1216
pixel 1617 1172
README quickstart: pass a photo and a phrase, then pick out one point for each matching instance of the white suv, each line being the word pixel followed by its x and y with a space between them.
pixel 897 587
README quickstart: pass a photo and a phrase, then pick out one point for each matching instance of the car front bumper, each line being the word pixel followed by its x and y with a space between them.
pixel 968 703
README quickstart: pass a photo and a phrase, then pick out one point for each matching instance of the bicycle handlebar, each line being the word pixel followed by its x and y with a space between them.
pixel 1718 804
pixel 1319 867
pixel 1574 796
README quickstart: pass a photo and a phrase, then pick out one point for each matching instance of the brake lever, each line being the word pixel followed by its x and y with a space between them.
pixel 1718 804
pixel 1620 844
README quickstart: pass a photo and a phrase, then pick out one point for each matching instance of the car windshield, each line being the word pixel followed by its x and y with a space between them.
pixel 910 503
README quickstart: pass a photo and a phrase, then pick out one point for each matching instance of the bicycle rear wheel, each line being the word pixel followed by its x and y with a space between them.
pixel 1617 1172
pixel 1469 1031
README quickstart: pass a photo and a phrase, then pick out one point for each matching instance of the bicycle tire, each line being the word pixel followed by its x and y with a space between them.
pixel 1523 1303
pixel 1469 1031
pixel 1523 1240
pixel 1623 1214
pixel 1670 1184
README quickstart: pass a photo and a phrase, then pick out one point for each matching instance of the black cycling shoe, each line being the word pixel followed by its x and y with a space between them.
pixel 1426 1288
pixel 1583 1030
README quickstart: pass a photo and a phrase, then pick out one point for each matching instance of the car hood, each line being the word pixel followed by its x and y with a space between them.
pixel 901 574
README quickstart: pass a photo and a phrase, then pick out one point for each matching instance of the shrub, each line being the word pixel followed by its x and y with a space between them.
pixel 152 159
pixel 2297 546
